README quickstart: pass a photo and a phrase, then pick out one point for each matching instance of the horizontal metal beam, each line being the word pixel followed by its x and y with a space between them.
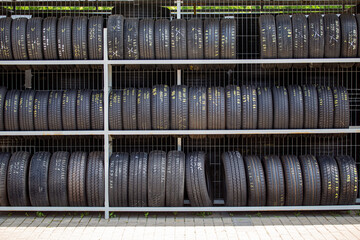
pixel 50 133
pixel 54 209
pixel 53 62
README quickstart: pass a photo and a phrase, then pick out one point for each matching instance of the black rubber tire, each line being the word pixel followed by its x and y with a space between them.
pixel 160 107
pixel 18 39
pixel 143 108
pixel 69 109
pixel 4 163
pixel 95 180
pixel 216 108
pixel 326 107
pixel 197 108
pixel 265 106
pixel 349 38
pixel 212 41
pixel 129 108
pixel 296 107
pixel 64 32
pixel 268 41
pixel 131 42
pixel 97 110
pixel 3 91
pixel 175 179
pixel 95 37
pixel 311 106
pixel 162 42
pixel 195 41
pixel 179 106
pixel 156 178
pixel 49 37
pixel 198 180
pixel 11 110
pixel 281 107
pixel 311 180
pixel 316 38
pixel 249 107
pixel 255 178
pixel 228 42
pixel 294 189
pixel 58 176
pixel 332 36
pixel 348 180
pixel 83 109
pixel 34 38
pixel 233 107
pixel 115 37
pixel 55 110
pixel 5 39
pixel 330 186
pixel 38 179
pixel 284 39
pixel 80 38
pixel 26 110
pixel 115 110
pixel 17 179
pixel 138 180
pixel 275 181
pixel 235 189
pixel 77 179
pixel 300 38
pixel 178 41
pixel 41 102
pixel 341 107
pixel 147 41
pixel 118 179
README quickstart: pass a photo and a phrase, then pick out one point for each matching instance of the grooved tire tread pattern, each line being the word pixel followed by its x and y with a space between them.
pixel 69 109
pixel 83 109
pixel 249 107
pixel 138 179
pixel 179 107
pixel 11 110
pixel 348 180
pixel 55 110
pixel 284 35
pixel 293 180
pixel 156 179
pixel 296 107
pixel 64 32
pixel 300 38
pixel 212 41
pixel 228 40
pixel 49 37
pixel 330 185
pixel 216 108
pixel 316 38
pixel 34 38
pixel 4 163
pixel 118 179
pixel 97 110
pixel 233 109
pixel 341 107
pixel 160 107
pixel 197 108
pixel 129 108
pixel 178 41
pixel 131 42
pixel 311 106
pixel 275 182
pixel 256 184
pixel 95 37
pixel 332 36
pixel 162 42
pixel 115 110
pixel 266 111
pixel 95 180
pixel 3 91
pixel 41 102
pixel 326 107
pixel 175 179
pixel 281 107
pixel 26 110
pixel 77 179
pixel 268 41
pixel 38 179
pixel 58 177
pixel 144 108
pixel 195 41
pixel 349 38
pixel 311 179
pixel 5 39
pixel 79 38
pixel 18 39
pixel 115 37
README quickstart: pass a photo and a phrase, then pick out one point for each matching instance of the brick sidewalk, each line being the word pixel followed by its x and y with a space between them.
pixel 291 225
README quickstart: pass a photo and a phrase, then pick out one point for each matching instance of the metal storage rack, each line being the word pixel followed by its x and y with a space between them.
pixel 290 140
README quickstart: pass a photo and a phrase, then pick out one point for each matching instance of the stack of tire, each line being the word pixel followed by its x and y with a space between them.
pixel 289 180
pixel 131 39
pixel 315 36
pixel 233 107
pixel 31 110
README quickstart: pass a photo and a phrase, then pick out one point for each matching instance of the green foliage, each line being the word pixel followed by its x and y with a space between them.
pixel 203 214
pixel 297 214
pixel 112 215
pixel 40 214
pixel 146 214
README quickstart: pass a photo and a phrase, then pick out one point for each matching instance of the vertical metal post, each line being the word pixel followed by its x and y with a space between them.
pixel 178 82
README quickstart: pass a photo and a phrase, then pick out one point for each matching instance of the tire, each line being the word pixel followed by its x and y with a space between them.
pixel 5 39
pixel 55 110
pixel 198 180
pixel 41 102
pixel 216 108
pixel 265 105
pixel 326 107
pixel 38 179
pixel 284 39
pixel 179 106
pixel 118 179
pixel 212 41
pixel 129 108
pixel 58 176
pixel 175 179
pixel 301 38
pixel 311 107
pixel 17 179
pixel 131 42
pixel 147 41
pixel 95 37
pixel 316 38
pixel 293 181
pixel 281 107
pixel 18 39
pixel 178 41
pixel 341 107
pixel 3 91
pixel 348 180
pixel 97 110
pixel 80 38
pixel 349 38
pixel 115 37
pixel 255 178
pixel 34 38
pixel 138 180
pixel 160 111
pixel 311 180
pixel 275 181
pixel 83 109
pixel 332 36
pixel 95 180
pixel 249 107
pixel 69 109
pixel 115 110
pixel 195 41
pixel 144 109
pixel 64 32
pixel 268 41
pixel 49 37
pixel 11 110
pixel 233 107
pixel 197 108
pixel 26 110
pixel 235 193
pixel 329 180
pixel 228 41
pixel 4 163
pixel 162 42
pixel 296 107
pixel 76 179
pixel 156 179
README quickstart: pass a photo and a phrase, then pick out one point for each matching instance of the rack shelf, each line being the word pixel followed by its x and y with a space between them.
pixel 51 133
